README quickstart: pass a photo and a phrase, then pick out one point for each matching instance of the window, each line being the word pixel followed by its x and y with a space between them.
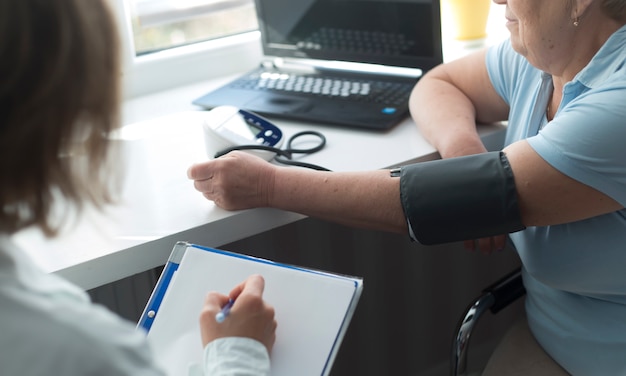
pixel 162 24
pixel 169 43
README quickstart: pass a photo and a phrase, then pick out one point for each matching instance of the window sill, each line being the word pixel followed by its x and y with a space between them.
pixel 191 64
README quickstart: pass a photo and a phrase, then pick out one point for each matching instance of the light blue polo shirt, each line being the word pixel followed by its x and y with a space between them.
pixel 575 273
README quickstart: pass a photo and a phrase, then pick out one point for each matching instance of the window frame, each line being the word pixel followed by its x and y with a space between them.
pixel 177 66
pixel 163 11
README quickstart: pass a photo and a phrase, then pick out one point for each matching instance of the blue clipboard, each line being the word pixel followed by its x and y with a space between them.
pixel 173 262
pixel 313 308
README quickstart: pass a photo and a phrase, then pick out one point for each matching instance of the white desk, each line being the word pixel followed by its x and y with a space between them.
pixel 159 205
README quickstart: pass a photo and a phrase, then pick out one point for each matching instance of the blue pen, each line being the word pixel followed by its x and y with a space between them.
pixel 221 315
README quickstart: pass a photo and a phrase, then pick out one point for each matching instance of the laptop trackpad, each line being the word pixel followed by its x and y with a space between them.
pixel 279 104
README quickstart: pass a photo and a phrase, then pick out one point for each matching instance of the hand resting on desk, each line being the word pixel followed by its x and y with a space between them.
pixel 249 187
pixel 366 199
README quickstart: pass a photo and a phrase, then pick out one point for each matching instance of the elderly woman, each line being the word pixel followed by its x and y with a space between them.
pixel 558 188
pixel 59 89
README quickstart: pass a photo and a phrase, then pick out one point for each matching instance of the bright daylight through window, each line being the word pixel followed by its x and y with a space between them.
pixel 162 24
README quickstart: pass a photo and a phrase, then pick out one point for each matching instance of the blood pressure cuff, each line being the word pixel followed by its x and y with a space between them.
pixel 460 198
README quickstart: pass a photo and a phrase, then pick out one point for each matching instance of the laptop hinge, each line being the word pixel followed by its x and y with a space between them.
pixel 311 66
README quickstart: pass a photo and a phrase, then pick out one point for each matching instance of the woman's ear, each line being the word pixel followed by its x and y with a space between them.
pixel 579 8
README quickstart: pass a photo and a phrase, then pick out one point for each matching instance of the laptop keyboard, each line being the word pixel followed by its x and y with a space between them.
pixel 388 93
pixel 357 41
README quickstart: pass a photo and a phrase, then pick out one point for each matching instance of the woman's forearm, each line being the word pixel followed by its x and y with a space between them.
pixel 359 199
pixel 453 131
pixel 450 99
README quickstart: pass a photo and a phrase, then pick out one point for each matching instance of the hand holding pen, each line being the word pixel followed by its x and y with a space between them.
pixel 221 315
pixel 243 313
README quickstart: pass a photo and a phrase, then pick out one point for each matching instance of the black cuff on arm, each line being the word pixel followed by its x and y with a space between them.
pixel 460 198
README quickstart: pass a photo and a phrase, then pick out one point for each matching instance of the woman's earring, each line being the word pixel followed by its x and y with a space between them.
pixel 576 22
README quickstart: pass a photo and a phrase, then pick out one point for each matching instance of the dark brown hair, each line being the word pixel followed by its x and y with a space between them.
pixel 59 99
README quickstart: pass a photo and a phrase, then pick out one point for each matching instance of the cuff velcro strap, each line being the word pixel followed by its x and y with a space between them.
pixel 460 198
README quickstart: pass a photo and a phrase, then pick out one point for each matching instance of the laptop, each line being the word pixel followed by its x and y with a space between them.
pixel 349 63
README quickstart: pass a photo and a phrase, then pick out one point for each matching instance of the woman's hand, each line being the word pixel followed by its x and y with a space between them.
pixel 249 317
pixel 235 181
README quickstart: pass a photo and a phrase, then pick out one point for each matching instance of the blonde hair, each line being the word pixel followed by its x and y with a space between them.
pixel 59 98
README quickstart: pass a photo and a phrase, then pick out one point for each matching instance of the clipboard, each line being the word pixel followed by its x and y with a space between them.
pixel 313 308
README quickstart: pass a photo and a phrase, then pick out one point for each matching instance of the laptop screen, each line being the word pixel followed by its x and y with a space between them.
pixel 400 33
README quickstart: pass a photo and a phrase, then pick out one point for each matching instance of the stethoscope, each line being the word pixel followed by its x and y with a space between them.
pixel 285 156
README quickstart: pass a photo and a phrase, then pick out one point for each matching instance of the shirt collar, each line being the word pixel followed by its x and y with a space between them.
pixel 609 59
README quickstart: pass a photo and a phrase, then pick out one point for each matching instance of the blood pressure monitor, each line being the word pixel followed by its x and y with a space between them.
pixel 229 126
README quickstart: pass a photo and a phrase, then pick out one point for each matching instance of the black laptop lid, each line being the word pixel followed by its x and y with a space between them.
pixel 400 33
